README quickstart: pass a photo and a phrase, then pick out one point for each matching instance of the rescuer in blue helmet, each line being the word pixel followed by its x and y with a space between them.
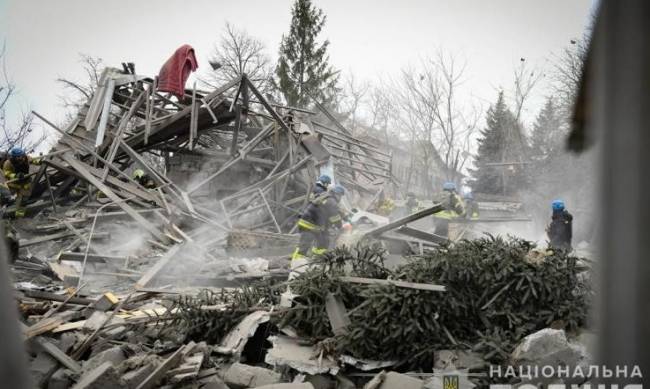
pixel 453 208
pixel 560 231
pixel 318 217
pixel 321 186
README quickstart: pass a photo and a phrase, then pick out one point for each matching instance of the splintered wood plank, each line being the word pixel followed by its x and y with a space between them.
pixel 78 166
pixel 194 119
pixel 164 367
pixel 56 353
pixel 400 284
pixel 44 238
pixel 120 131
pixel 402 221
pixel 42 327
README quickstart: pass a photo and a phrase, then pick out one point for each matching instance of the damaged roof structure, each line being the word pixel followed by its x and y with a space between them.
pixel 231 172
pixel 253 157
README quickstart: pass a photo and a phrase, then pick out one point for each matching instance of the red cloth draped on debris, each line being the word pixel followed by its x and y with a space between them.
pixel 176 70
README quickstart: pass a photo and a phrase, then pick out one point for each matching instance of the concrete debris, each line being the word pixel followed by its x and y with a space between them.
pixel 337 314
pixel 134 377
pixel 212 381
pixel 114 356
pixel 235 341
pixel 105 302
pixel 288 352
pixel 365 364
pixel 458 359
pixel 188 369
pixel 42 367
pixel 549 347
pixel 153 219
pixel 239 376
pixel 61 379
pixel 103 376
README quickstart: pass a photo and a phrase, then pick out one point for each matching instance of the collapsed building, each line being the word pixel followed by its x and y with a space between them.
pixel 110 273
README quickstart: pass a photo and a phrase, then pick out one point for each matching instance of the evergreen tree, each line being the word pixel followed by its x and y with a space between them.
pixel 546 131
pixel 303 66
pixel 501 143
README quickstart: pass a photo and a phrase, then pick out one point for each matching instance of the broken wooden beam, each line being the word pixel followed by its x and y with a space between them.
pixel 79 257
pixel 56 353
pixel 405 220
pixel 157 267
pixel 42 295
pixel 168 364
pixel 78 166
pixel 400 284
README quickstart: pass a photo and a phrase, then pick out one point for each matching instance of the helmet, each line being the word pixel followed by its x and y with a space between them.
pixel 468 196
pixel 16 152
pixel 325 179
pixel 339 190
pixel 138 173
pixel 449 186
pixel 557 205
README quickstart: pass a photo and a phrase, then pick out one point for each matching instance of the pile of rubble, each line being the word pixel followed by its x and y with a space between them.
pixel 350 320
pixel 180 280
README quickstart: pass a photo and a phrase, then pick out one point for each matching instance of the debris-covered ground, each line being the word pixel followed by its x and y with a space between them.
pixel 179 276
pixel 458 307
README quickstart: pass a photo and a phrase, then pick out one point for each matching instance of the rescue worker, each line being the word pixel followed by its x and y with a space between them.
pixel 412 203
pixel 16 172
pixel 471 206
pixel 320 187
pixel 453 208
pixel 143 179
pixel 319 216
pixel 560 231
pixel 384 206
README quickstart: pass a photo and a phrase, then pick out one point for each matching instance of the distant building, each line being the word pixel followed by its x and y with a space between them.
pixel 409 170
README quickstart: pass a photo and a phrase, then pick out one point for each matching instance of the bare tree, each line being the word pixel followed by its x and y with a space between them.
pixel 381 108
pixel 18 132
pixel 441 127
pixel 525 81
pixel 568 73
pixel 237 53
pixel 77 92
pixel 353 98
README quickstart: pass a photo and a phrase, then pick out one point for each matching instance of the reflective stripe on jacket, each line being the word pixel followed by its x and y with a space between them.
pixel 322 212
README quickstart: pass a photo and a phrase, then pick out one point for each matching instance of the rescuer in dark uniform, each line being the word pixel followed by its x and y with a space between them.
pixel 560 231
pixel 319 216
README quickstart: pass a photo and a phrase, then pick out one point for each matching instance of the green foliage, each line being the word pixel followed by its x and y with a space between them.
pixel 309 316
pixel 546 137
pixel 191 319
pixel 495 296
pixel 303 67
pixel 501 141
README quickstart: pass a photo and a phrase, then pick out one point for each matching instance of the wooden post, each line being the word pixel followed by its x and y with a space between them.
pixel 268 207
pixel 120 130
pixel 49 188
pixel 193 119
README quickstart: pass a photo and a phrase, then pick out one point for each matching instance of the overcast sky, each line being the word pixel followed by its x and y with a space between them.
pixel 371 38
